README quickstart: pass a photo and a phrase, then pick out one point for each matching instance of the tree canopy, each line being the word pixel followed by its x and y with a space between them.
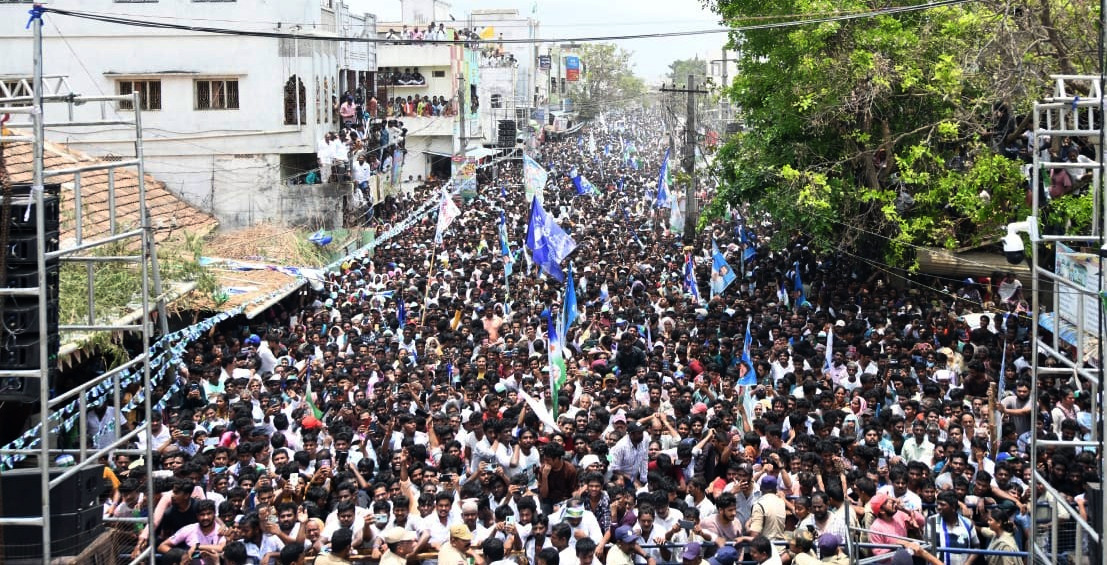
pixel 880 133
pixel 681 68
pixel 607 80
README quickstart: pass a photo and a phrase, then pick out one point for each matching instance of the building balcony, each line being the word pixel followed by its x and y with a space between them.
pixel 420 55
pixel 429 126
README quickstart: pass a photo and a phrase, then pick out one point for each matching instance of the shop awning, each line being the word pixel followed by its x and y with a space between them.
pixel 1067 333
pixel 473 151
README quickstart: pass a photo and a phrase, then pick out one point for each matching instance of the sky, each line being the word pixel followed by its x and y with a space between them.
pixel 582 18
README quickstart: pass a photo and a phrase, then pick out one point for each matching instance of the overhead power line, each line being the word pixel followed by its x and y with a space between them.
pixel 112 19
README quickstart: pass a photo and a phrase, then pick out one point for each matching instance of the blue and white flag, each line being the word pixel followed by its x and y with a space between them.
pixel 505 249
pixel 690 284
pixel 401 311
pixel 534 177
pixel 583 185
pixel 747 376
pixel 547 242
pixel 721 273
pixel 569 304
pixel 801 300
pixel 663 183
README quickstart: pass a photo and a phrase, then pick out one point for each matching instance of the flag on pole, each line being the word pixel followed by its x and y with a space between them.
pixel 998 415
pixel 505 249
pixel 801 299
pixel 583 185
pixel 447 213
pixel 721 273
pixel 569 303
pixel 401 311
pixel 548 243
pixel 591 143
pixel 397 164
pixel 558 369
pixel 1002 369
pixel 746 374
pixel 310 398
pixel 676 214
pixel 690 284
pixel 534 178
pixel 828 364
pixel 663 183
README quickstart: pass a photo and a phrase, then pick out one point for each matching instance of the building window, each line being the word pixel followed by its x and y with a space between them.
pixel 438 74
pixel 496 101
pixel 217 94
pixel 293 88
pixel 149 94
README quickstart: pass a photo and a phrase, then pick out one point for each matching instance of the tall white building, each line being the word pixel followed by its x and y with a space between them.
pixel 227 118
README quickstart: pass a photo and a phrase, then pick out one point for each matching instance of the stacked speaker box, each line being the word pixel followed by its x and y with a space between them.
pixel 507 133
pixel 76 515
pixel 19 315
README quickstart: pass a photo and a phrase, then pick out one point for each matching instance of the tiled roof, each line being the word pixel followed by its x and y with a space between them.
pixel 169 215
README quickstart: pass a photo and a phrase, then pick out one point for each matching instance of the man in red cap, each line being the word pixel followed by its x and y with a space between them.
pixel 892 522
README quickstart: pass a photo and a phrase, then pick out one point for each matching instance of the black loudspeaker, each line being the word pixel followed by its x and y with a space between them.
pixel 70 533
pixel 506 133
pixel 20 491
pixel 1093 497
pixel 76 515
pixel 19 314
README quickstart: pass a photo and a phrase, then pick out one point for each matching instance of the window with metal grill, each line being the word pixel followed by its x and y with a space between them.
pixel 217 94
pixel 149 93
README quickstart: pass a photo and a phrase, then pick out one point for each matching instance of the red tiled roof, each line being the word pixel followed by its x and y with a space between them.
pixel 169 215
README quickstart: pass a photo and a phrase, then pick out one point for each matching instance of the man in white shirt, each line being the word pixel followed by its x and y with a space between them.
pixel 265 353
pixel 158 432
pixel 917 447
pixel 325 153
pixel 630 455
pixel 362 173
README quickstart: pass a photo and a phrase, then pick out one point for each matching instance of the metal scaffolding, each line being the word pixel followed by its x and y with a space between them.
pixel 50 96
pixel 1060 533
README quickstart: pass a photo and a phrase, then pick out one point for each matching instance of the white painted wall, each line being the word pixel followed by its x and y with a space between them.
pixel 510 24
pixel 231 154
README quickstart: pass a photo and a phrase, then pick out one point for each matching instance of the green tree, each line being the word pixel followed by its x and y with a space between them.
pixel 607 79
pixel 681 68
pixel 877 134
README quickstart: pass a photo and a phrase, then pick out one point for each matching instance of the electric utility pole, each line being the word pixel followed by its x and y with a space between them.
pixel 689 159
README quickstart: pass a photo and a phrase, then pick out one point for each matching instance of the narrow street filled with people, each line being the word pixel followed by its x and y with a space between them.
pixel 721 399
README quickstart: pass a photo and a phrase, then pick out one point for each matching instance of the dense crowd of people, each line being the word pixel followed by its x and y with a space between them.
pixel 405 412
